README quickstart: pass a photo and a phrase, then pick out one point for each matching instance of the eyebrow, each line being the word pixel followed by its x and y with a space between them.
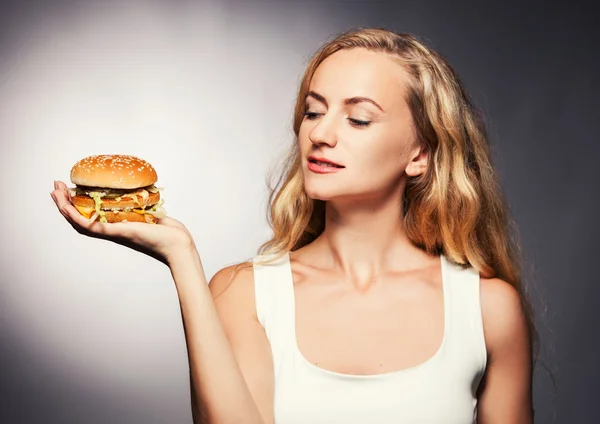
pixel 348 101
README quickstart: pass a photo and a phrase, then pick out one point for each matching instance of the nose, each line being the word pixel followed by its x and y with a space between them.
pixel 324 132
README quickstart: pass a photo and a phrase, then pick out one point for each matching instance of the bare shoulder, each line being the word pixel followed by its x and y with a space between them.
pixel 504 318
pixel 234 288
pixel 505 392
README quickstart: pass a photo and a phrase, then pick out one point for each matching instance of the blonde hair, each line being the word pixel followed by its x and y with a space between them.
pixel 455 208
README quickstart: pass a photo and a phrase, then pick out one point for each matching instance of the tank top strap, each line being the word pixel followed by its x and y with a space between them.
pixel 466 323
pixel 274 297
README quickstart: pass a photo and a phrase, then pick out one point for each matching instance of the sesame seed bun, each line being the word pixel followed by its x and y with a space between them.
pixel 113 171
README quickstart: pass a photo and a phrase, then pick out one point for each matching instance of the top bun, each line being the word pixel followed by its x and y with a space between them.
pixel 113 171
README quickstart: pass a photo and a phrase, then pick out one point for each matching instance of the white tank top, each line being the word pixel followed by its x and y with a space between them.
pixel 440 390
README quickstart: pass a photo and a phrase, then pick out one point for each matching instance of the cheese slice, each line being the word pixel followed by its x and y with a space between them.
pixel 87 212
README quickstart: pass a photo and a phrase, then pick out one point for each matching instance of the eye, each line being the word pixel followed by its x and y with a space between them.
pixel 355 122
pixel 359 123
pixel 311 115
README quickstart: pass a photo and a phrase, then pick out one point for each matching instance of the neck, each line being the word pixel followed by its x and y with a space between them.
pixel 363 240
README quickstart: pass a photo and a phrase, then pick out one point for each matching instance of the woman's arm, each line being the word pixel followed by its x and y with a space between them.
pixel 229 354
pixel 231 369
pixel 505 395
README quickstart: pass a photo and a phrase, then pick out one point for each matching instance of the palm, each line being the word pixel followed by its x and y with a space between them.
pixel 155 240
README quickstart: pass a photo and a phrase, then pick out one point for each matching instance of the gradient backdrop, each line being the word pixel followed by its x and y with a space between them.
pixel 91 332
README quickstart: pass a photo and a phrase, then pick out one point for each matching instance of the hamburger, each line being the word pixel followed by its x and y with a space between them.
pixel 116 188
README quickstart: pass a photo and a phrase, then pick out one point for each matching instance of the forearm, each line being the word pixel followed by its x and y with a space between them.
pixel 218 385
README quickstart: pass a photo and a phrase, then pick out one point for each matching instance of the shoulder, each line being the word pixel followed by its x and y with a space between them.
pixel 232 288
pixel 504 318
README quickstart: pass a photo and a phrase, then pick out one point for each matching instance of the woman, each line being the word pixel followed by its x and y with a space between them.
pixel 390 291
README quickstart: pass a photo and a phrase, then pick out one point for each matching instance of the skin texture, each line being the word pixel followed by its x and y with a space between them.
pixel 362 265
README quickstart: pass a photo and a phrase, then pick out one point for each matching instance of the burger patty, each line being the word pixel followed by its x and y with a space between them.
pixel 129 216
pixel 126 201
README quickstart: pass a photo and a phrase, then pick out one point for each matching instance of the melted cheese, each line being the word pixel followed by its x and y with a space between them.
pixel 87 212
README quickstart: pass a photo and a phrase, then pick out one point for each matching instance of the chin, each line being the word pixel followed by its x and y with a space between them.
pixel 316 194
pixel 320 188
pixel 323 193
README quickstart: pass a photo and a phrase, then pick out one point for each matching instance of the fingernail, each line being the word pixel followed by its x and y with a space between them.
pixel 55 185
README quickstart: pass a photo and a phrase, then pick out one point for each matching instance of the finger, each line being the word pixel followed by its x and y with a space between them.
pixel 66 208
pixel 60 197
pixel 93 228
pixel 78 221
pixel 59 185
pixel 63 187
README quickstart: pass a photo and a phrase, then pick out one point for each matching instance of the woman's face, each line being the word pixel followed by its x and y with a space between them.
pixel 357 117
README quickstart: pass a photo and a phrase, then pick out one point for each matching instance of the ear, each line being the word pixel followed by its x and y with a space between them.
pixel 419 161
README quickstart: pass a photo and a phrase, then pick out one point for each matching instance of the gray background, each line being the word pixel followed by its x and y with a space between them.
pixel 91 332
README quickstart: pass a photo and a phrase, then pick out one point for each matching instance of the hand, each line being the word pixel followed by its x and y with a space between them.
pixel 157 240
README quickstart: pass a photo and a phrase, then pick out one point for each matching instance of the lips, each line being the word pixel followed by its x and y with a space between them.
pixel 324 162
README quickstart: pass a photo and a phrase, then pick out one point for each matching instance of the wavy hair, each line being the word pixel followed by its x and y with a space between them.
pixel 456 208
